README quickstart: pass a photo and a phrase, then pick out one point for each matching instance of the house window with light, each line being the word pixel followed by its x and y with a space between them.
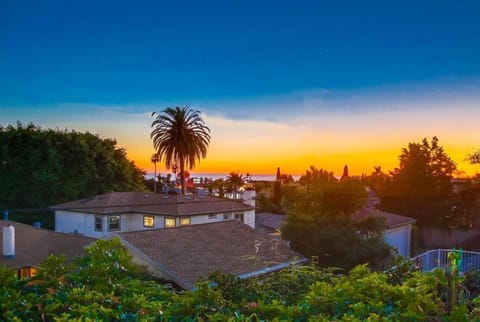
pixel 148 221
pixel 170 222
pixel 113 223
pixel 98 223
pixel 185 221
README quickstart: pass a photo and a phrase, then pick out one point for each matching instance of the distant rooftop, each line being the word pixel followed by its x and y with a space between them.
pixel 152 203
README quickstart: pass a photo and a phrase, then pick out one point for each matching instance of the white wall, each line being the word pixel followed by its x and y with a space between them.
pixel 399 237
pixel 84 223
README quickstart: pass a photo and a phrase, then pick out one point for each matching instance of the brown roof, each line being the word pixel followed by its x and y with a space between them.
pixel 190 252
pixel 391 220
pixel 33 245
pixel 152 203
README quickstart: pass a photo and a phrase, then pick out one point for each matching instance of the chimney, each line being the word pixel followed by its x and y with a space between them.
pixel 9 241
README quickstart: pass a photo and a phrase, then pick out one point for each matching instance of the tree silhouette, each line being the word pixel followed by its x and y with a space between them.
pixel 234 181
pixel 155 159
pixel 180 137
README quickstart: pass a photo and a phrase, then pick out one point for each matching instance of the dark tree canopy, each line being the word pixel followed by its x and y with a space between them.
pixel 180 138
pixel 320 223
pixel 42 167
pixel 421 187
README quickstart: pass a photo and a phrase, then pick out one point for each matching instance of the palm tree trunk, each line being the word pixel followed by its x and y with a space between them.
pixel 182 176
pixel 155 177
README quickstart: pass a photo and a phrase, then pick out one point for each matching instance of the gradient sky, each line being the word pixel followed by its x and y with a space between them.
pixel 280 83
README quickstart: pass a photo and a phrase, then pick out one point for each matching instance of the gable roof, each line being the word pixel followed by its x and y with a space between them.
pixel 392 220
pixel 152 203
pixel 189 252
pixel 33 245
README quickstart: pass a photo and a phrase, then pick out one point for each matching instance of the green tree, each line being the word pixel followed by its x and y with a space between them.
pixel 320 223
pixel 421 187
pixel 234 181
pixel 42 167
pixel 180 137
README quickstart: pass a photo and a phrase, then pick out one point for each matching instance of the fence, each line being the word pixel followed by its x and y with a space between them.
pixel 438 258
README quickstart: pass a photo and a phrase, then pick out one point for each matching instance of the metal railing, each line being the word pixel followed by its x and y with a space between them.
pixel 438 258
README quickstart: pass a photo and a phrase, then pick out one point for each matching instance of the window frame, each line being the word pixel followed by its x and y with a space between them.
pixel 152 218
pixel 212 216
pixel 185 218
pixel 109 223
pixel 169 218
pixel 97 217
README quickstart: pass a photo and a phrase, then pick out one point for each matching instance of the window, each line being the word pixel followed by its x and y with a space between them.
pixel 149 221
pixel 98 223
pixel 226 216
pixel 113 223
pixel 212 216
pixel 239 217
pixel 185 221
pixel 170 222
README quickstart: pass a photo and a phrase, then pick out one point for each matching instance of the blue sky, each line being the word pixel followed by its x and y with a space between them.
pixel 83 64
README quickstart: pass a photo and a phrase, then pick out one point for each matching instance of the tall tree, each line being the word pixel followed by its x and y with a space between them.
pixel 180 137
pixel 421 187
pixel 319 222
pixel 42 167
pixel 155 159
pixel 234 181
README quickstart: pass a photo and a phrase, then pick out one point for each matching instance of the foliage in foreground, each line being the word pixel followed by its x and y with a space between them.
pixel 105 285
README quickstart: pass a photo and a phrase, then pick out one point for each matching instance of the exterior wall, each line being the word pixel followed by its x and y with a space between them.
pixel 400 237
pixel 84 223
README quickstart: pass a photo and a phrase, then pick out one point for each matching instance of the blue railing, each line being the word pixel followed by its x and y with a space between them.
pixel 438 258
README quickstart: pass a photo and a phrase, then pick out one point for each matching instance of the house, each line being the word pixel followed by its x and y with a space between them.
pixel 118 212
pixel 29 246
pixel 398 230
pixel 186 253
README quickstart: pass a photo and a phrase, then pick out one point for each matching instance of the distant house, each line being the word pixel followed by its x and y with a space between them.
pixel 31 246
pixel 398 231
pixel 119 212
pixel 184 254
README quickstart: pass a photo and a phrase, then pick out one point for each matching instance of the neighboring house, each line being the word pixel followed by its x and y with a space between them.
pixel 268 222
pixel 118 212
pixel 398 230
pixel 184 254
pixel 31 246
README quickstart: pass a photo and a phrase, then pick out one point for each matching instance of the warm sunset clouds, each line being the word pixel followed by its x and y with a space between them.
pixel 293 131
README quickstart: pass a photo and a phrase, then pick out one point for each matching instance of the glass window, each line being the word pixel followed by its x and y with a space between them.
pixel 113 223
pixel 149 221
pixel 170 222
pixel 226 216
pixel 98 223
pixel 239 217
pixel 212 216
pixel 184 221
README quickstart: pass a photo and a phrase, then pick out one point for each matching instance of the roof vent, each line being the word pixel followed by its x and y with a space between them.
pixel 147 196
pixel 165 197
pixel 9 241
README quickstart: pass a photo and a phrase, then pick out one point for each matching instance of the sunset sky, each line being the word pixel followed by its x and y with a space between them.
pixel 280 84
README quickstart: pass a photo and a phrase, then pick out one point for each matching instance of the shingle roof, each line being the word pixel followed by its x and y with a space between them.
pixel 33 245
pixel 392 220
pixel 190 252
pixel 152 203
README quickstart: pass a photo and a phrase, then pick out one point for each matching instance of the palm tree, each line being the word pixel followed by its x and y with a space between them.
pixel 155 158
pixel 235 180
pixel 180 137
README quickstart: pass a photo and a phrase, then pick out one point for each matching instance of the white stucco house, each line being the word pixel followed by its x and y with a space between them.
pixel 118 212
